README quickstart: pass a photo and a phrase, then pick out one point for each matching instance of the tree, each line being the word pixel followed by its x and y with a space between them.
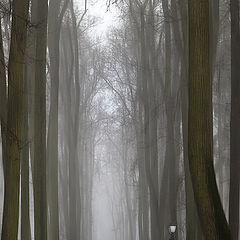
pixel 200 126
pixel 13 129
pixel 39 168
pixel 3 98
pixel 74 131
pixel 25 215
pixel 28 125
pixel 55 18
pixel 234 122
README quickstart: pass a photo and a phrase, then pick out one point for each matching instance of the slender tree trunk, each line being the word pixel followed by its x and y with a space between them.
pixel 68 63
pixel 54 28
pixel 3 99
pixel 234 122
pixel 170 109
pixel 31 60
pixel 14 119
pixel 126 187
pixel 52 140
pixel 28 122
pixel 39 170
pixel 143 190
pixel 200 126
pixel 153 123
pixel 73 166
pixel 140 186
pixel 25 216
pixel 147 131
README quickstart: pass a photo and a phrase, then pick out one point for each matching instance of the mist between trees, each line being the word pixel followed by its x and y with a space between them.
pixel 117 136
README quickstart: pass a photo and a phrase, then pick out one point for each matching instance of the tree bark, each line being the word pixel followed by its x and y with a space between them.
pixel 31 60
pixel 153 121
pixel 3 99
pixel 13 129
pixel 54 27
pixel 73 165
pixel 234 121
pixel 25 216
pixel 39 169
pixel 200 126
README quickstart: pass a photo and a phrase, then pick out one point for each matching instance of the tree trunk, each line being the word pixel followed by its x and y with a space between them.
pixel 31 57
pixel 39 170
pixel 14 120
pixel 153 122
pixel 3 100
pixel 73 165
pixel 200 126
pixel 181 40
pixel 25 216
pixel 126 186
pixel 234 122
pixel 54 27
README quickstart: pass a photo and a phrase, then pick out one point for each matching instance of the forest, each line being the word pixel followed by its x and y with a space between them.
pixel 119 119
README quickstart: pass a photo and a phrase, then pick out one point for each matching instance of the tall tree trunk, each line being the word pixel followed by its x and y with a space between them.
pixel 143 190
pixel 54 27
pixel 234 122
pixel 39 169
pixel 126 186
pixel 68 63
pixel 200 126
pixel 3 99
pixel 153 122
pixel 181 40
pixel 147 128
pixel 25 216
pixel 170 109
pixel 73 165
pixel 28 125
pixel 31 57
pixel 140 185
pixel 14 119
pixel 163 200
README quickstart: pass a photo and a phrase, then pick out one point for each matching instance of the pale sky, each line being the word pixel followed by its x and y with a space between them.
pixel 98 8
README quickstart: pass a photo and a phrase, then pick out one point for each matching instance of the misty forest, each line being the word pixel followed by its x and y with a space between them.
pixel 120 119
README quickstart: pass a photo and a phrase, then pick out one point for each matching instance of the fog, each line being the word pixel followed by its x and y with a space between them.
pixel 119 119
pixel 104 183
